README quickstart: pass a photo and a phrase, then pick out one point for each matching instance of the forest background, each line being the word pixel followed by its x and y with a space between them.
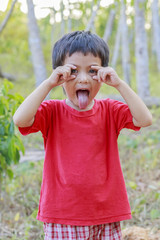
pixel 132 31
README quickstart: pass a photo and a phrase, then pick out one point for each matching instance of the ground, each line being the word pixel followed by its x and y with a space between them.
pixel 140 158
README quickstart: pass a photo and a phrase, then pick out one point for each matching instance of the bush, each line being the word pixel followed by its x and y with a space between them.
pixel 10 142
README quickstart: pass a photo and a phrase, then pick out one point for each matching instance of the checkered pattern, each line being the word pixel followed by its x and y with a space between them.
pixel 110 231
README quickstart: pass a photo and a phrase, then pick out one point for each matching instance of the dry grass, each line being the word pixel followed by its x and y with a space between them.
pixel 140 157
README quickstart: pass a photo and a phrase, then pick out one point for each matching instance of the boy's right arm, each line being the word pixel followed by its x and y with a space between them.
pixel 25 114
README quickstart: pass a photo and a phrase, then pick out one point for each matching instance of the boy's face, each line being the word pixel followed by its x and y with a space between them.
pixel 82 90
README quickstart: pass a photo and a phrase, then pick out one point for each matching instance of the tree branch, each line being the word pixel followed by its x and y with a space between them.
pixel 3 24
pixel 91 21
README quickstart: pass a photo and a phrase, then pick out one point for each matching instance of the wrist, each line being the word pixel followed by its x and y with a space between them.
pixel 49 83
pixel 120 85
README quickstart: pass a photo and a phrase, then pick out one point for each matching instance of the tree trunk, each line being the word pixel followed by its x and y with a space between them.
pixel 3 24
pixel 142 65
pixel 62 20
pixel 69 23
pixel 92 19
pixel 35 46
pixel 109 25
pixel 156 30
pixel 125 45
pixel 53 24
pixel 117 44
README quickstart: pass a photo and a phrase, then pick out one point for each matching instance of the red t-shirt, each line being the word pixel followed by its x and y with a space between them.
pixel 82 182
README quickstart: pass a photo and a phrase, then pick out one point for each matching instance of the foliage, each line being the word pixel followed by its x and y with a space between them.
pixel 15 55
pixel 22 197
pixel 10 143
pixel 140 154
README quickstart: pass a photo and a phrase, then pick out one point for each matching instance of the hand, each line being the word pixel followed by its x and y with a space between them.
pixel 62 74
pixel 107 75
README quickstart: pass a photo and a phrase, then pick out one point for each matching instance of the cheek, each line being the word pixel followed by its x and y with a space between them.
pixel 97 86
pixel 69 88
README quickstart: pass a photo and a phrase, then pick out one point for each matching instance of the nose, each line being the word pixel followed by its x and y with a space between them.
pixel 82 77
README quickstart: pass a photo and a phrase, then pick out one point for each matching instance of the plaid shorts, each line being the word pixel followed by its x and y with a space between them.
pixel 110 231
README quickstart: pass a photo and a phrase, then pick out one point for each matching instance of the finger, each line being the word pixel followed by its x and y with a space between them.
pixel 95 78
pixel 104 76
pixel 109 71
pixel 100 76
pixel 95 67
pixel 71 77
pixel 71 66
pixel 66 73
pixel 61 78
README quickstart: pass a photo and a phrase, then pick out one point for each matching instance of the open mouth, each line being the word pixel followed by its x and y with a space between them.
pixel 82 92
pixel 83 98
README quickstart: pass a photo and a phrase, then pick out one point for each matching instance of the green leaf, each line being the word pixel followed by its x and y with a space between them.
pixel 10 173
pixel 17 216
pixel 155 213
pixel 157 195
pixel 16 156
pixel 11 128
pixel 10 143
pixel 6 87
pixel 2 130
pixel 132 185
pixel 10 148
pixel 132 143
pixel 2 110
pixel 4 105
pixel 19 144
pixel 2 163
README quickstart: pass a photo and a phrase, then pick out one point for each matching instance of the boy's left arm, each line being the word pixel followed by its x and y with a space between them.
pixel 141 115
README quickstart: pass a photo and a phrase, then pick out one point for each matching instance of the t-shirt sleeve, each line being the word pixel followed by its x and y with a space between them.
pixel 122 116
pixel 42 120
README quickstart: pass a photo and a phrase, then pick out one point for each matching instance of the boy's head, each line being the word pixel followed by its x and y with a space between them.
pixel 80 41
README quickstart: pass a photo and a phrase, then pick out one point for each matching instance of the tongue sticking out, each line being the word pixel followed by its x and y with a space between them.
pixel 83 97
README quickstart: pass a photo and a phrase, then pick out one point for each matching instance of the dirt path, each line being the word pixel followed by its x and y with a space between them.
pixel 32 155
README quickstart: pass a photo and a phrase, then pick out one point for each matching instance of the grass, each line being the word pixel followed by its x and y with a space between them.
pixel 20 203
pixel 139 153
pixel 141 166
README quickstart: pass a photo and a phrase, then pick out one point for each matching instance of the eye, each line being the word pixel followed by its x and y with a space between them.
pixel 74 71
pixel 92 71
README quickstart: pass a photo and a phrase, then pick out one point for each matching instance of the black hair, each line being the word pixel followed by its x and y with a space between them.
pixel 79 41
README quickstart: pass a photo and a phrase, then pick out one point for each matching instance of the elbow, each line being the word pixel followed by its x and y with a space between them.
pixel 148 121
pixel 16 121
pixel 20 122
pixel 145 122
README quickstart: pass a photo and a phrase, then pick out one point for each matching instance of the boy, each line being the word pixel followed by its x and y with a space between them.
pixel 83 194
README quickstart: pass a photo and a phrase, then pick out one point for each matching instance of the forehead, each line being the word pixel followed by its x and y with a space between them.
pixel 79 59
